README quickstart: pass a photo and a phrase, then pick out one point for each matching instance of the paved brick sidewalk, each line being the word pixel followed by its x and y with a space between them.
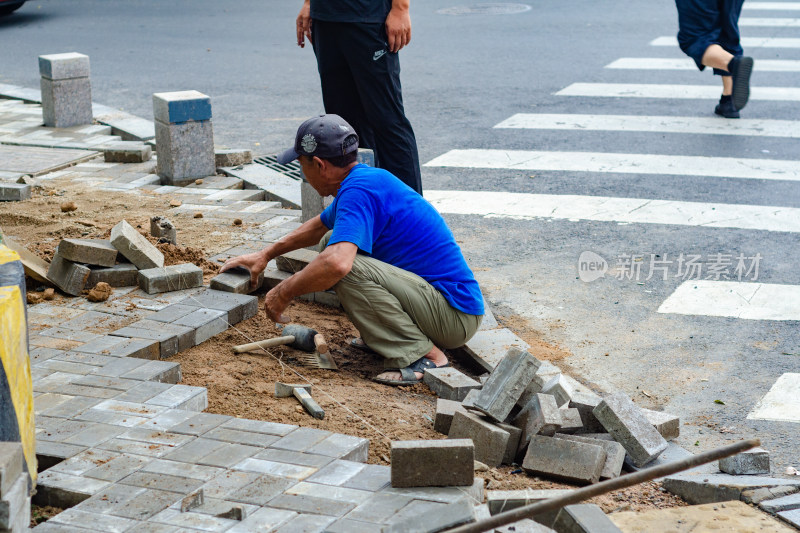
pixel 123 444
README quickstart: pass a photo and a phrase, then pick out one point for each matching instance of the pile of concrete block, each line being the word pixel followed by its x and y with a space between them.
pixel 15 499
pixel 127 259
pixel 527 412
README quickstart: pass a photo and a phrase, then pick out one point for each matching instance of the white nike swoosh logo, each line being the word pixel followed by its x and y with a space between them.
pixel 379 54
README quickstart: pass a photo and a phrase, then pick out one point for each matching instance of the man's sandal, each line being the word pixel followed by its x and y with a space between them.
pixel 359 344
pixel 408 377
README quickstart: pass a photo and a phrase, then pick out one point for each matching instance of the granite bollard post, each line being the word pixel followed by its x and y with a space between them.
pixel 66 90
pixel 184 136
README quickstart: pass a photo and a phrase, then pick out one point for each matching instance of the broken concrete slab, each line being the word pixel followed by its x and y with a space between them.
pixel 697 488
pixel 575 462
pixel 754 461
pixel 449 383
pixel 432 463
pixel 506 383
pixel 135 247
pixel 487 348
pixel 629 426
pixel 490 441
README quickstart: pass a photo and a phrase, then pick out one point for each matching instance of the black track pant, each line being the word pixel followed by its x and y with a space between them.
pixel 706 22
pixel 361 83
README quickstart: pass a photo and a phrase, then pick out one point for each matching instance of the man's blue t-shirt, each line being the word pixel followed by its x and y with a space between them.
pixel 390 222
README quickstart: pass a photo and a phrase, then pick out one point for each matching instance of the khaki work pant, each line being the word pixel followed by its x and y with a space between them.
pixel 399 314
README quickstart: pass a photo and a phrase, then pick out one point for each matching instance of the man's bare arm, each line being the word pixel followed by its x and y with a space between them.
pixel 304 24
pixel 321 274
pixel 398 25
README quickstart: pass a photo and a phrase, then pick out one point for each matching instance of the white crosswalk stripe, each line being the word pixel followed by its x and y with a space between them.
pixel 781 403
pixel 771 6
pixel 653 90
pixel 735 299
pixel 524 206
pixel 661 63
pixel 654 124
pixel 720 167
pixel 769 22
pixel 747 42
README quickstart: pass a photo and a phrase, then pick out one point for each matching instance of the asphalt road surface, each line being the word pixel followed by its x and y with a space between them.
pixel 608 145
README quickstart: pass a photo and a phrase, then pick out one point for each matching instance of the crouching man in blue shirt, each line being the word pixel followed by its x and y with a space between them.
pixel 387 253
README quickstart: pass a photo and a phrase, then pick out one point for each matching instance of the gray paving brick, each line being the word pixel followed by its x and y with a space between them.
pixel 445 409
pixel 500 501
pixel 238 306
pixel 487 348
pixel 329 492
pixel 261 490
pixel 170 278
pixel 136 447
pixel 615 453
pixel 173 312
pixel 130 408
pixel 64 366
pixel 311 505
pixel 88 251
pixel 60 332
pixel 584 518
pixel 49 453
pixel 568 391
pixel 340 446
pixel 786 503
pixel 570 421
pixel 40 354
pixel 235 281
pixel 296 260
pixel 241 437
pixel 193 521
pixel 14 192
pixel 145 434
pixel 162 332
pixel 345 525
pixel 301 439
pixel 182 397
pixel 95 434
pixel 623 419
pixel 371 478
pixel 669 426
pixel 168 419
pixel 506 383
pixel 86 358
pixel 200 423
pixel 106 382
pixel 61 430
pixel 117 468
pixel 424 463
pixel 95 322
pixel 160 371
pixel 571 461
pixel 541 416
pixel 121 275
pixel 72 407
pixel 490 441
pixel 152 480
pixel 41 341
pixel 181 469
pixel 119 366
pixel 135 247
pixel 82 462
pixel 68 276
pixel 108 417
pixel 337 473
pixel 206 322
pixel 294 458
pixel 227 482
pixel 143 392
pixel 229 455
pixel 63 490
pixel 259 426
pixel 449 383
pixel 307 523
pixel 753 461
pixel 514 437
pixel 265 520
pixel 107 523
pixel 144 504
pixel 277 469
pixel 408 518
pixel 379 508
pixel 195 450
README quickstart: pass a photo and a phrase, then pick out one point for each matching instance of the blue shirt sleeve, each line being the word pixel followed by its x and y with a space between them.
pixel 354 217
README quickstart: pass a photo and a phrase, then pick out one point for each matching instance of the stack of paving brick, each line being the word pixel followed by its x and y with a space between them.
pixel 80 264
pixel 15 500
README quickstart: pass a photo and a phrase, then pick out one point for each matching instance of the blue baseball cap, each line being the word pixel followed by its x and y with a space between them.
pixel 324 136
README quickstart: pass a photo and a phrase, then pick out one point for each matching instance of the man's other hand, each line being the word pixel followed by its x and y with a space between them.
pixel 398 28
pixel 274 305
pixel 304 24
pixel 255 263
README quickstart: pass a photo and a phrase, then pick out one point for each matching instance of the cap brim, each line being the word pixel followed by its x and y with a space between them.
pixel 287 156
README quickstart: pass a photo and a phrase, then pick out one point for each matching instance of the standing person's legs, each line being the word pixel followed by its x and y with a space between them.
pixel 377 76
pixel 339 91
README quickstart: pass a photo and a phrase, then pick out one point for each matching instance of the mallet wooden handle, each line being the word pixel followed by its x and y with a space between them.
pixel 267 343
pixel 309 403
pixel 319 342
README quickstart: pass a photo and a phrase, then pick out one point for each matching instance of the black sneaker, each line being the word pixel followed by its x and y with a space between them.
pixel 725 107
pixel 740 68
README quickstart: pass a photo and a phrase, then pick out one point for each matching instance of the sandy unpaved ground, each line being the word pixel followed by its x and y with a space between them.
pixel 243 385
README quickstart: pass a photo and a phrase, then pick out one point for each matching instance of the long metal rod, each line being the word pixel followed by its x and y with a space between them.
pixel 584 493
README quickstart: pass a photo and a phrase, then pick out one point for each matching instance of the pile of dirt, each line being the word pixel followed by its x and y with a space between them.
pixel 243 385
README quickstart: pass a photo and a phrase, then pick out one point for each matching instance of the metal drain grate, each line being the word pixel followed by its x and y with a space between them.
pixel 270 161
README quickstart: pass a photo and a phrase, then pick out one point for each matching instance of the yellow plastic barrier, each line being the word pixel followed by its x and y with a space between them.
pixel 16 385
